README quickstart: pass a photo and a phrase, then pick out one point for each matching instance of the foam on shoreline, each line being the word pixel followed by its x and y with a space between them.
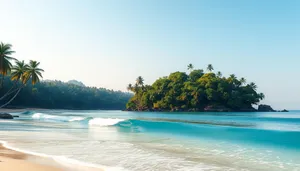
pixel 64 161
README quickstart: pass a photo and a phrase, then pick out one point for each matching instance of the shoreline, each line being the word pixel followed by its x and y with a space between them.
pixel 13 159
pixel 5 110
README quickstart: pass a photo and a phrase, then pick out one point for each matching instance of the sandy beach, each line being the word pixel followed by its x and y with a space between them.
pixel 11 160
pixel 15 161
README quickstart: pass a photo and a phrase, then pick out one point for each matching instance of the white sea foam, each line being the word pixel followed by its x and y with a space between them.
pixel 104 121
pixel 77 119
pixel 91 122
pixel 42 116
pixel 64 160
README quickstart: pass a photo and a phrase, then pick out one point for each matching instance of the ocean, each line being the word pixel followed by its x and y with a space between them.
pixel 150 141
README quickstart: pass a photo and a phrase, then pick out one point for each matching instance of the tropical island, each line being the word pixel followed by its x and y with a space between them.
pixel 21 87
pixel 196 91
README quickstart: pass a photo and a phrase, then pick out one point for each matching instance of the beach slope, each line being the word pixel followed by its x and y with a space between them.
pixel 11 160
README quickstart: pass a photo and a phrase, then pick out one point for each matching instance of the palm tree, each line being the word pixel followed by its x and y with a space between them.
pixel 18 70
pixel 253 85
pixel 190 67
pixel 219 74
pixel 210 68
pixel 31 72
pixel 129 87
pixel 262 96
pixel 5 65
pixel 232 76
pixel 243 80
pixel 140 81
pixel 17 74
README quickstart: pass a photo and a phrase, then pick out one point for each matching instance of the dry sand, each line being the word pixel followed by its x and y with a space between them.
pixel 15 161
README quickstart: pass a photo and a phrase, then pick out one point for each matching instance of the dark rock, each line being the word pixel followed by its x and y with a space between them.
pixel 6 116
pixel 15 116
pixel 284 110
pixel 265 108
pixel 213 108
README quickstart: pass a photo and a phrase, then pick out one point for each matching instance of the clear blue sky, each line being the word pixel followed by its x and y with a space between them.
pixel 109 43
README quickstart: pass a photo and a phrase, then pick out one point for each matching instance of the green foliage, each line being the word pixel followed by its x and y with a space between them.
pixel 52 94
pixel 5 58
pixel 196 91
pixel 190 67
pixel 75 82
pixel 60 95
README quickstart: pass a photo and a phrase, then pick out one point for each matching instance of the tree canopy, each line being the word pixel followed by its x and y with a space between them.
pixel 61 95
pixel 20 86
pixel 20 73
pixel 196 91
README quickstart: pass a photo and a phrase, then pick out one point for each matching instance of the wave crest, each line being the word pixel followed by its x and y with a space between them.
pixel 41 116
pixel 105 121
pixel 84 120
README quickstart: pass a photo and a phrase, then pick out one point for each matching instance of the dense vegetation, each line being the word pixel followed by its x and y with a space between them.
pixel 61 95
pixel 195 91
pixel 20 74
pixel 20 86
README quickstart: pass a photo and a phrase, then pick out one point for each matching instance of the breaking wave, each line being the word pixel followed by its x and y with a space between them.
pixel 88 120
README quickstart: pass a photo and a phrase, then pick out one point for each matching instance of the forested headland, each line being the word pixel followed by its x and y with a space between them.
pixel 196 90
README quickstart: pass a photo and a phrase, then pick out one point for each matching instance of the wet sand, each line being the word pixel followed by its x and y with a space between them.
pixel 11 160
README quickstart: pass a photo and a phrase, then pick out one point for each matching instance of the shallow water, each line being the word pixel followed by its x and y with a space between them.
pixel 160 141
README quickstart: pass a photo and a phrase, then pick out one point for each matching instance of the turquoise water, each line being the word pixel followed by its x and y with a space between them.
pixel 135 141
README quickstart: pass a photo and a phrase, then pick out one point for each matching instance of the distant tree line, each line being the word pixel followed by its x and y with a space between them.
pixel 20 86
pixel 194 91
pixel 61 95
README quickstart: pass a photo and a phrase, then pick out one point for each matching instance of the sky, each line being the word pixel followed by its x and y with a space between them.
pixel 110 43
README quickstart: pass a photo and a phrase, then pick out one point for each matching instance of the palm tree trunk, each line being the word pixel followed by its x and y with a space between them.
pixel 11 98
pixel 2 80
pixel 9 91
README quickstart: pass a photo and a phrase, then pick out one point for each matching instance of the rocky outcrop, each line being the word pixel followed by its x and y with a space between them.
pixel 265 108
pixel 6 116
pixel 284 110
pixel 213 108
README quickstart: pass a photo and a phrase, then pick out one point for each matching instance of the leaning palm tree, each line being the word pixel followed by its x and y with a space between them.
pixel 210 68
pixel 17 73
pixel 5 58
pixel 190 67
pixel 18 70
pixel 140 81
pixel 31 72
